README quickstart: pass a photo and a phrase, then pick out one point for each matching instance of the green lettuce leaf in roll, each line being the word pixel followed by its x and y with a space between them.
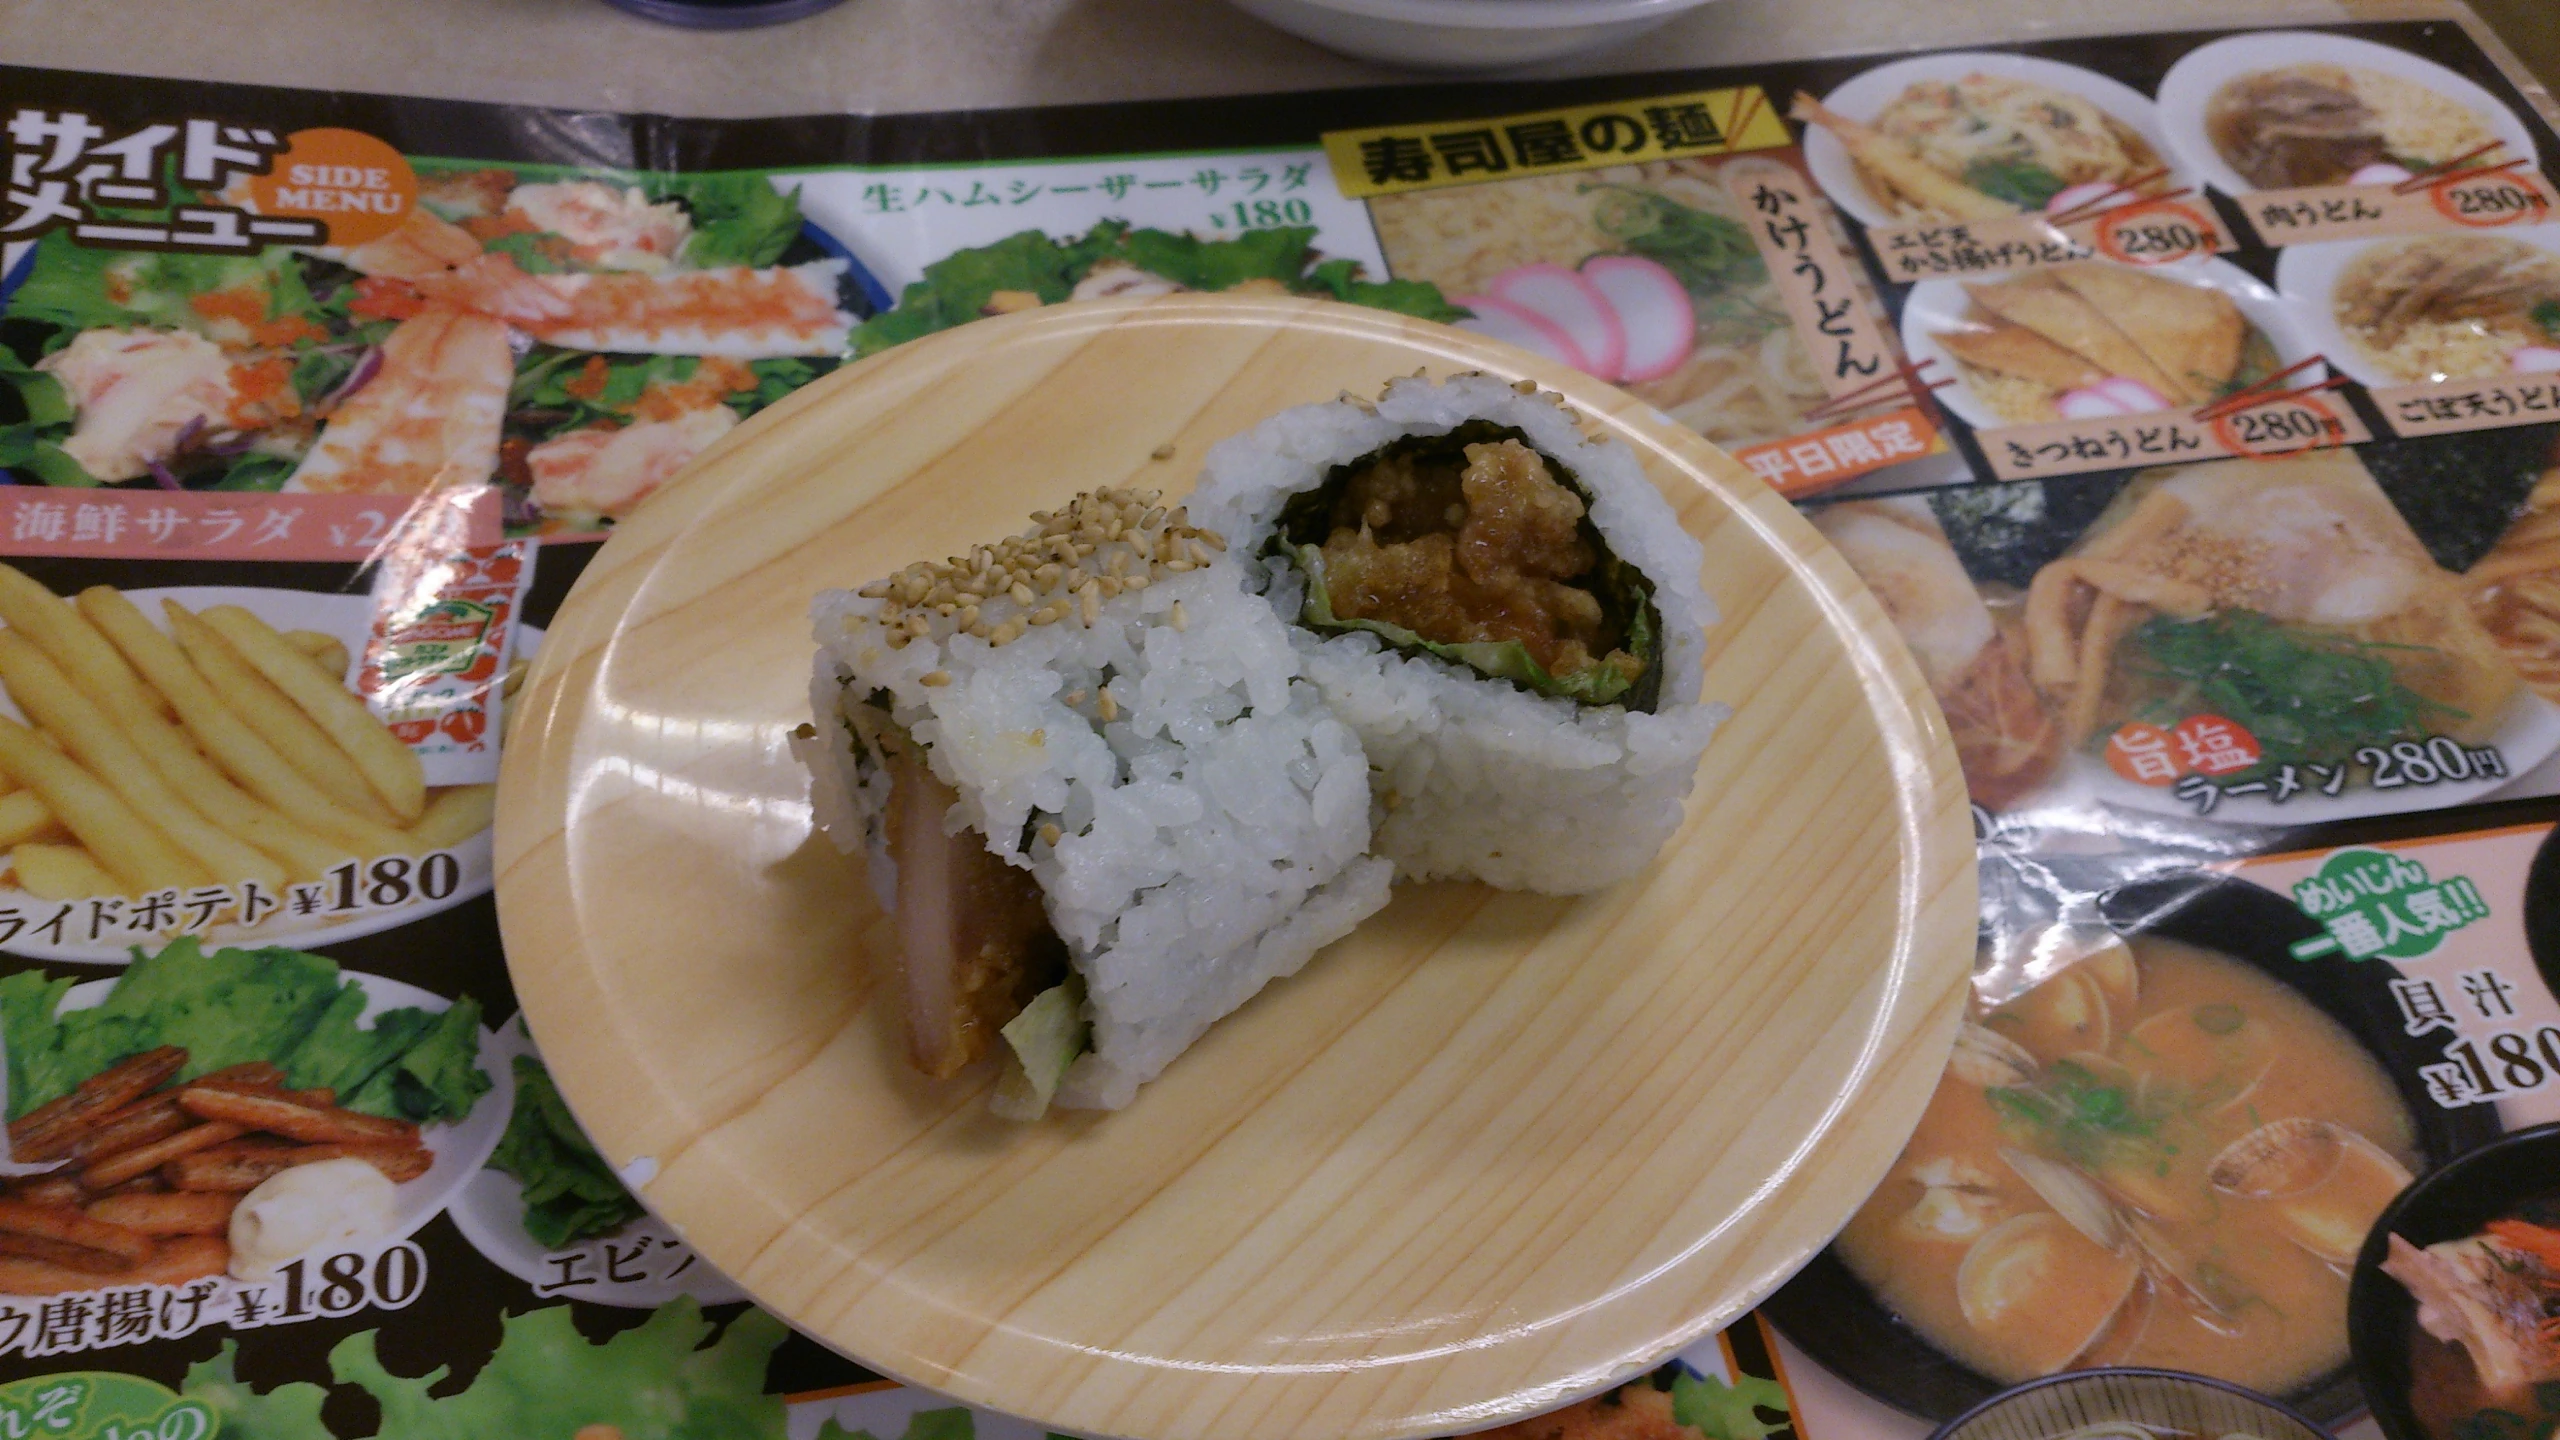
pixel 1392 545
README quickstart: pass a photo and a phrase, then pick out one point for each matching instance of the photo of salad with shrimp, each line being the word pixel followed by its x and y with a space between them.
pixel 575 337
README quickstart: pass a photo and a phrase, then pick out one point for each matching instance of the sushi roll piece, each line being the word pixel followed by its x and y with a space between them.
pixel 1098 796
pixel 1506 612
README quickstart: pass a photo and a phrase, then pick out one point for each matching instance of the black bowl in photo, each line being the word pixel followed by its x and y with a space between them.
pixel 1832 1316
pixel 2443 1204
pixel 2542 910
pixel 723 14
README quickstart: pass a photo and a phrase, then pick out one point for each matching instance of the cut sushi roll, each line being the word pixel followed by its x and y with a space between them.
pixel 1097 794
pixel 1507 613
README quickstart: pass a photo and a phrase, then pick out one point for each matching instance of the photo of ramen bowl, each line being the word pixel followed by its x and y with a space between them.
pixel 2128 1404
pixel 2163 1156
pixel 2466 1237
pixel 2290 599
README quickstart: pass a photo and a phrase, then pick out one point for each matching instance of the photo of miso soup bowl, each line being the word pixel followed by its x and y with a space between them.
pixel 2451 1311
pixel 2096 340
pixel 2431 309
pixel 1981 135
pixel 2165 1155
pixel 2283 109
pixel 191 740
pixel 2129 1403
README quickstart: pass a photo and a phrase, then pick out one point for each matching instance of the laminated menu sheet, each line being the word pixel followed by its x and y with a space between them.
pixel 2191 401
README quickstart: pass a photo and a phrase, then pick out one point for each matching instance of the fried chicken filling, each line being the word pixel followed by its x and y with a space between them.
pixel 1493 551
pixel 974 943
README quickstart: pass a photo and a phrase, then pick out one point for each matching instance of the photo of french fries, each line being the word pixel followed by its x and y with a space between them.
pixel 150 1171
pixel 194 747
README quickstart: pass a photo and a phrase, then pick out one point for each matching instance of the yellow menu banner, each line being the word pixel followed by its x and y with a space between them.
pixel 1390 159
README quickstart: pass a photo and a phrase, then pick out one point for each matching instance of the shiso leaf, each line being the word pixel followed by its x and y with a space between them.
pixel 1044 1040
pixel 1602 684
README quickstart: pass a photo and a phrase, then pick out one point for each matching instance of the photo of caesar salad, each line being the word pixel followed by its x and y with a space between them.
pixel 1115 259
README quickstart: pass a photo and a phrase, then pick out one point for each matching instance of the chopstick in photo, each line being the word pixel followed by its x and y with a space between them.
pixel 2458 176
pixel 2442 169
pixel 2126 191
pixel 2251 402
pixel 2248 395
pixel 1746 108
pixel 1905 374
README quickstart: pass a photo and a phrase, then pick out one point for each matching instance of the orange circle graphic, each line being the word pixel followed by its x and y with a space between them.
pixel 359 186
pixel 2157 215
pixel 2443 195
pixel 2267 440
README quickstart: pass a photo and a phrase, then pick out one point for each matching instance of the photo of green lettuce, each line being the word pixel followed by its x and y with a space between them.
pixel 1727 1412
pixel 234 1006
pixel 958 287
pixel 570 1194
pixel 657 1381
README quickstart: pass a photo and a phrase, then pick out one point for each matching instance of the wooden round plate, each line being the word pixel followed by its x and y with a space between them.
pixel 1489 1153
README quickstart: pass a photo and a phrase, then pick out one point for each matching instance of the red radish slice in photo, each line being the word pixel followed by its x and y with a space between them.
pixel 2072 197
pixel 2113 396
pixel 1653 310
pixel 1515 325
pixel 1576 307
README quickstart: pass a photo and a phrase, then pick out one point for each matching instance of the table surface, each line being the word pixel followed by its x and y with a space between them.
pixel 895 55
pixel 884 56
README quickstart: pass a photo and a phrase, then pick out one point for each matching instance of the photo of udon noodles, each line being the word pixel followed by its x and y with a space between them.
pixel 2288 596
pixel 1670 234
pixel 2158 1157
pixel 2324 124
pixel 1985 146
pixel 2091 339
pixel 2452 307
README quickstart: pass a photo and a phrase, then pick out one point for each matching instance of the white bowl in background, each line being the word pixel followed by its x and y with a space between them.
pixel 1940 303
pixel 2308 276
pixel 1464 34
pixel 2191 84
pixel 1865 95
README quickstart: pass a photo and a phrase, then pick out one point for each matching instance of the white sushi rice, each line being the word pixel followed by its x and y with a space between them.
pixel 1208 836
pixel 1474 776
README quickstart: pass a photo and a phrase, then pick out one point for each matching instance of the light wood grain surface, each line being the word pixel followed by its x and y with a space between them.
pixel 1492 1151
